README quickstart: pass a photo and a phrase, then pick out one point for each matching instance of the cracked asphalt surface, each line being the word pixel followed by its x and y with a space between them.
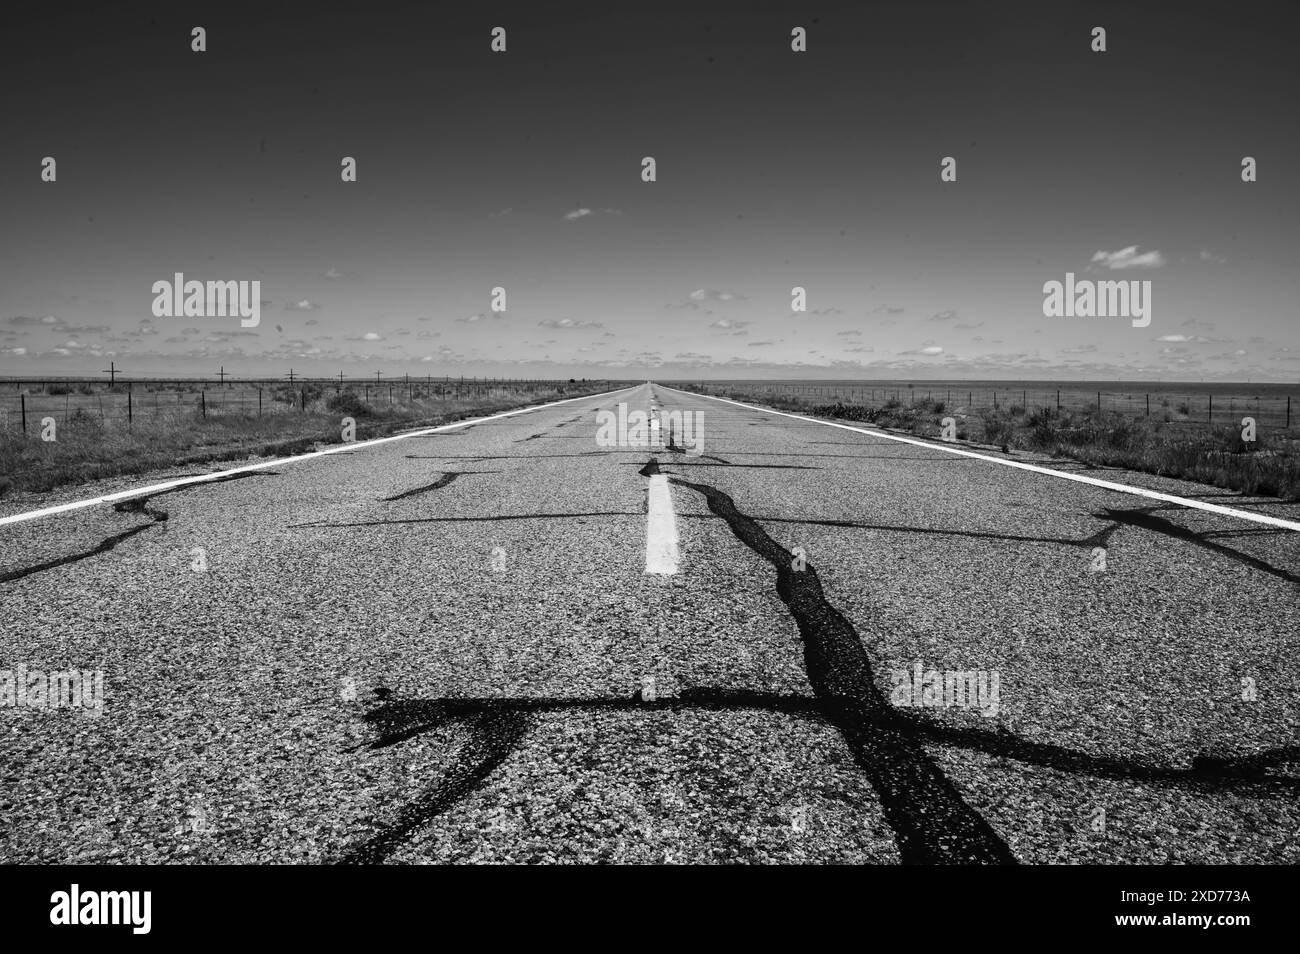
pixel 446 649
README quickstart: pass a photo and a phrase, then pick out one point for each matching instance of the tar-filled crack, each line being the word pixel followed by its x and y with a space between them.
pixel 931 821
pixel 681 463
pixel 497 726
pixel 438 484
pixel 130 505
pixel 493 734
pixel 1145 518
pixel 498 518
pixel 1100 538
pixel 599 453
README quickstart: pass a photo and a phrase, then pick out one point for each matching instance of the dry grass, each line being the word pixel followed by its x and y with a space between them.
pixel 1206 453
pixel 87 449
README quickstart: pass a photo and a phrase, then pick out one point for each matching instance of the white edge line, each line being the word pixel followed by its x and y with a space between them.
pixel 281 461
pixel 1019 465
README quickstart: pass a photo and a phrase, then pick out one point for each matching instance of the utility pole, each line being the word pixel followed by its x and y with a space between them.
pixel 111 371
pixel 376 379
pixel 291 375
pixel 222 375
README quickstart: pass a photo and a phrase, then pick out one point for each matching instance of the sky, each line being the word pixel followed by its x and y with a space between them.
pixel 522 170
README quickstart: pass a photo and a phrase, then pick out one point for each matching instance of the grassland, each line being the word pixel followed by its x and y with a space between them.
pixel 89 446
pixel 1167 443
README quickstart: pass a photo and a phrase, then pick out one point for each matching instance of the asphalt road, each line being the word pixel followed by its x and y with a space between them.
pixel 449 648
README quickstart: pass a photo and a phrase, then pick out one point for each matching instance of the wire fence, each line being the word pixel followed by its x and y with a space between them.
pixel 138 402
pixel 1224 407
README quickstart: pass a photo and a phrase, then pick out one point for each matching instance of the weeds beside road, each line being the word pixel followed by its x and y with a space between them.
pixel 1212 454
pixel 87 448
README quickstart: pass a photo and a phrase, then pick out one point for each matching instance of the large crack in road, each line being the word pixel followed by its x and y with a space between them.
pixel 131 505
pixel 932 822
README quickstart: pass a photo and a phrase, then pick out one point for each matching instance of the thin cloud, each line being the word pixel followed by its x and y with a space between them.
pixel 568 323
pixel 583 212
pixel 703 296
pixel 27 321
pixel 1128 258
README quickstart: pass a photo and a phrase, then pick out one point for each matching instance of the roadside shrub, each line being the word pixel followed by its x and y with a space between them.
pixel 998 430
pixel 348 404
pixel 1043 427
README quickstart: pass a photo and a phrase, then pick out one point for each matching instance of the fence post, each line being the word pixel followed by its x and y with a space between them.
pixel 1288 411
pixel 302 396
pixel 130 411
pixel 203 401
pixel 259 402
pixel 1098 400
pixel 23 400
pixel 1210 417
pixel 1058 400
pixel 1148 405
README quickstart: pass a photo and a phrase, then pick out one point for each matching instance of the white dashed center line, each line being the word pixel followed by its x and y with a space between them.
pixel 661 529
